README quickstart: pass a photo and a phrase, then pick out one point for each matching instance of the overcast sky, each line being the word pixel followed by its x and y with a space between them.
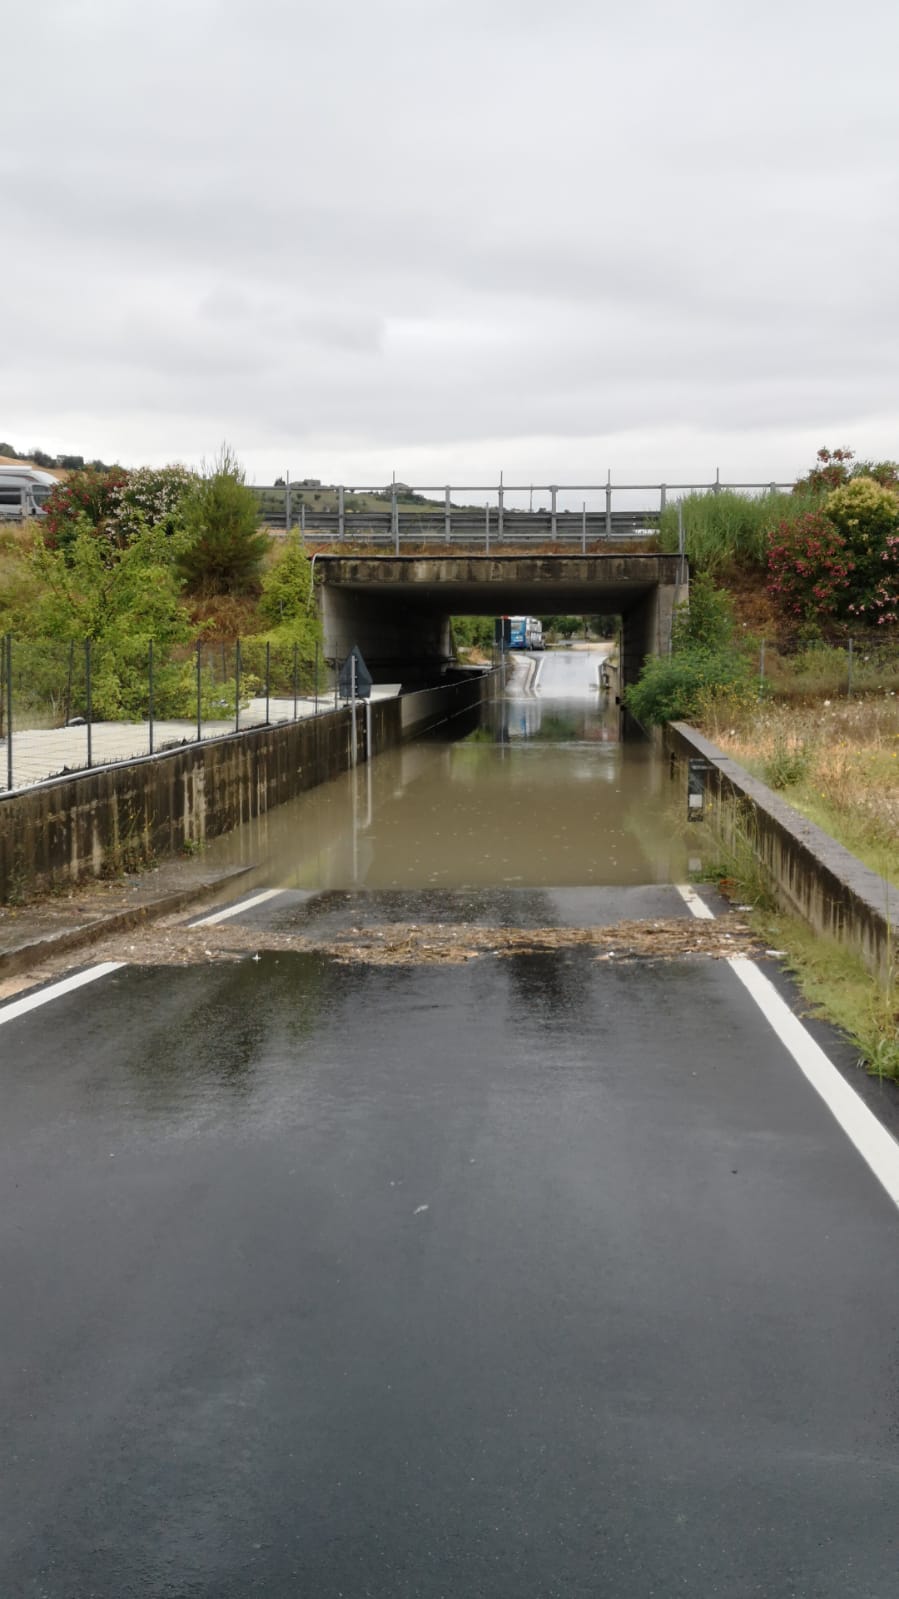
pixel 450 237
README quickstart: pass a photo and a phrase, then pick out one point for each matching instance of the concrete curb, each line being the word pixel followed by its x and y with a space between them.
pixel 28 955
pixel 816 878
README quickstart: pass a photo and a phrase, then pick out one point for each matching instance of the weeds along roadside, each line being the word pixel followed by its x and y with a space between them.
pixel 835 761
pixel 833 980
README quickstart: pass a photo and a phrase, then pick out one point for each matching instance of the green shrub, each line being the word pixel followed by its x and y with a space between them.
pixel 677 687
pixel 287 601
pixel 842 560
pixel 120 599
pixel 473 630
pixel 706 619
pixel 787 764
pixel 225 549
pixel 704 665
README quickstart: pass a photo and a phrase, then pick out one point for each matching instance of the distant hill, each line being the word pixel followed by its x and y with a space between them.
pixel 10 456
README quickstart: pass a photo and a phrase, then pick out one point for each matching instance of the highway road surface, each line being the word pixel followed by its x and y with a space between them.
pixel 523 1276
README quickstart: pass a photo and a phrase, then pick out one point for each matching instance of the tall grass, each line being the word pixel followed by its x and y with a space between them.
pixel 726 528
pixel 837 763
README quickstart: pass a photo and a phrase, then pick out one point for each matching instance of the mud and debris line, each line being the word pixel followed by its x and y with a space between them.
pixel 426 944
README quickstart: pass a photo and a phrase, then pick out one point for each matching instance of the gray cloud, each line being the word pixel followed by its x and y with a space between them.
pixel 393 234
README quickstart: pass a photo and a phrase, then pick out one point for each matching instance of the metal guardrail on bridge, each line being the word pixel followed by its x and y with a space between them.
pixel 457 521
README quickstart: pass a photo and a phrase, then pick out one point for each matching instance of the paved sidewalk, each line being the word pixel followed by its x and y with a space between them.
pixel 40 754
pixel 34 936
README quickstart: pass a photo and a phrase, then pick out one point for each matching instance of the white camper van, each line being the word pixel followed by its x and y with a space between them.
pixel 24 491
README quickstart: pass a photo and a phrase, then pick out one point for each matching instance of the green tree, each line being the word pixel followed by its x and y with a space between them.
pixel 120 599
pixel 225 548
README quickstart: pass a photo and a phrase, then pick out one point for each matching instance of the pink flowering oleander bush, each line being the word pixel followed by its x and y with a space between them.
pixel 88 497
pixel 809 566
pixel 840 561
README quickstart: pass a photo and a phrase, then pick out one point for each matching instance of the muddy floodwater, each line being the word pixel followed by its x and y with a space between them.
pixel 541 794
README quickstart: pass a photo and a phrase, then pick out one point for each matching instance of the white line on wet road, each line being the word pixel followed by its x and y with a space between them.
pixel 20 1007
pixel 876 1145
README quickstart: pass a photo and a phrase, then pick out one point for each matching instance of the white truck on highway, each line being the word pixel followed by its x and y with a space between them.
pixel 24 491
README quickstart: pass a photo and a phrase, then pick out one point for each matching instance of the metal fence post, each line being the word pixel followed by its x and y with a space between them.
pixel 89 703
pixel 584 528
pixel 849 654
pixel 447 516
pixel 237 686
pixel 394 518
pixel 303 517
pixel 69 678
pixel 7 652
pixel 341 512
pixel 487 529
pixel 268 681
pixel 287 503
pixel 199 694
pixel 553 491
pixel 609 504
pixel 663 499
pixel 499 513
pixel 315 685
pixel 716 486
pixel 353 704
pixel 150 694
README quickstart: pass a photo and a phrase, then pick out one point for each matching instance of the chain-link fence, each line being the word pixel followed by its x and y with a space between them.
pixel 69 705
pixel 802 666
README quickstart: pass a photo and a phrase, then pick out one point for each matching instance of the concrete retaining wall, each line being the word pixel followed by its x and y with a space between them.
pixel 93 823
pixel 811 874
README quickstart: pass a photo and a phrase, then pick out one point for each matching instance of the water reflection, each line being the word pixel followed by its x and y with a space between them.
pixel 541 794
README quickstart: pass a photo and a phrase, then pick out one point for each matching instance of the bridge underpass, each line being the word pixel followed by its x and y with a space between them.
pixel 397 609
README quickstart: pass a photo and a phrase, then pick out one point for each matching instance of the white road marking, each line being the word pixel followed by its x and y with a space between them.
pixel 20 1007
pixel 876 1145
pixel 538 674
pixel 694 903
pixel 235 910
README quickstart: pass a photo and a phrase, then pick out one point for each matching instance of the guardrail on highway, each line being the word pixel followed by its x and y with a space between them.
pixel 447 513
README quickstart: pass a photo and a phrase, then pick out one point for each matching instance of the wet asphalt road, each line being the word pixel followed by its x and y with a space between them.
pixel 530 1277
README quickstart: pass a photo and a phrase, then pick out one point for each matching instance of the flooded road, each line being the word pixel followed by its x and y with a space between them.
pixel 541 794
pixel 481 1245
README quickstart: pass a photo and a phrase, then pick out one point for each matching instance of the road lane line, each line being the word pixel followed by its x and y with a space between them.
pixel 877 1147
pixel 535 686
pixel 694 903
pixel 235 910
pixel 19 1007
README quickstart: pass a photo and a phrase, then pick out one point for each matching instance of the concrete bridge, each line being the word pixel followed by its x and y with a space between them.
pixel 397 608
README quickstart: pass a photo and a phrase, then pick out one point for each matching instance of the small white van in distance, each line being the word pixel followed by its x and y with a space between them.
pixel 24 491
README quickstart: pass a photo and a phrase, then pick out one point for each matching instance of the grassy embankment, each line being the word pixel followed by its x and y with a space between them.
pixel 833 755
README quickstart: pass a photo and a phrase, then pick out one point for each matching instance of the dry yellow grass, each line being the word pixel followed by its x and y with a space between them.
pixel 836 761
